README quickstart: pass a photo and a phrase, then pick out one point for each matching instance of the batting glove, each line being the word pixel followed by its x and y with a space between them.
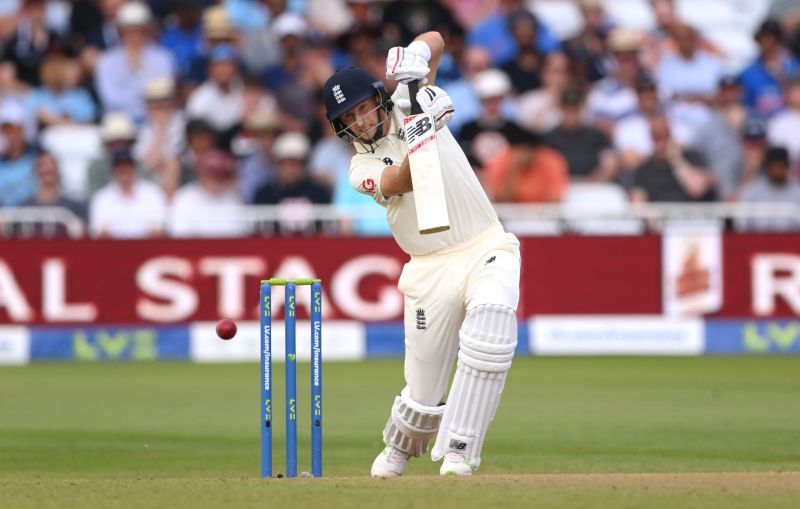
pixel 435 101
pixel 409 63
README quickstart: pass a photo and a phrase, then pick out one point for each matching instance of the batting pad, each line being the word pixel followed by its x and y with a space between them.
pixel 411 425
pixel 487 340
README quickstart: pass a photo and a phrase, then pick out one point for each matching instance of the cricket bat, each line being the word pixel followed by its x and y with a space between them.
pixel 426 169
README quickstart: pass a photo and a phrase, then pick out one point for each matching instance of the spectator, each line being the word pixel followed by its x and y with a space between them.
pixel 31 42
pixel 729 102
pixel 217 31
pixel 670 174
pixel 123 71
pixel 292 187
pixel 631 135
pixel 489 133
pixel 690 74
pixel 662 40
pixel 493 33
pixel 754 147
pixel 405 19
pixel 116 131
pixel 784 128
pixel 586 50
pixel 764 78
pixel 539 110
pixel 304 67
pixel 127 207
pixel 614 97
pixel 219 100
pixel 210 206
pixel 201 139
pixel 588 151
pixel 183 36
pixel 461 91
pixel 17 179
pixel 99 27
pixel 330 158
pixel 258 167
pixel 48 194
pixel 60 100
pixel 161 138
pixel 720 145
pixel 524 68
pixel 526 172
pixel 773 186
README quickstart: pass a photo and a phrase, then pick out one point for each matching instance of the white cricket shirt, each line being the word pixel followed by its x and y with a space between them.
pixel 468 207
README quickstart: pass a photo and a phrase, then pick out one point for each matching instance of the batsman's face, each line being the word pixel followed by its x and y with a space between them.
pixel 363 119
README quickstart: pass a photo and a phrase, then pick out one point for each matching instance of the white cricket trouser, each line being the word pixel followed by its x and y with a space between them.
pixel 438 290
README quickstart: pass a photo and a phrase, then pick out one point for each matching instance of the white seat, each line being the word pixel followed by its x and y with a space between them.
pixel 636 14
pixel 74 147
pixel 599 199
pixel 561 16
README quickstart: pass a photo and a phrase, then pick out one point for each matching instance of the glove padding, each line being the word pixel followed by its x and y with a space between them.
pixel 437 102
pixel 409 63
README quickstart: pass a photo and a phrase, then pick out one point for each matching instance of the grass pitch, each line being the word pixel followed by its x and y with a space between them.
pixel 570 432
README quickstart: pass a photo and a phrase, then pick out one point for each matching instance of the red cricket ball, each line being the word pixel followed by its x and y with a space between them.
pixel 226 328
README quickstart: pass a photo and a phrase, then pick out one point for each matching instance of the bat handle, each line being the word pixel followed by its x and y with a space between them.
pixel 413 88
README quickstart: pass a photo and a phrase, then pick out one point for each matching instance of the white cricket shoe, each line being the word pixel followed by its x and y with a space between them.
pixel 390 463
pixel 455 464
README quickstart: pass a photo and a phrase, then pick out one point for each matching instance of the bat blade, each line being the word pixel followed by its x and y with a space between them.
pixel 426 174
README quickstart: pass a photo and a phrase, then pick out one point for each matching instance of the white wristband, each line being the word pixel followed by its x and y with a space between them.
pixel 421 49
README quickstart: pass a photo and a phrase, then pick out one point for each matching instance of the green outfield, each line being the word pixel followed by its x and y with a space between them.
pixel 571 432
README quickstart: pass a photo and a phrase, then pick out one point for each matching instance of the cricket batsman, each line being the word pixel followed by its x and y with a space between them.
pixel 460 286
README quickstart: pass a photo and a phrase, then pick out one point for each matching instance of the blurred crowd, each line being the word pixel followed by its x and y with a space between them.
pixel 166 117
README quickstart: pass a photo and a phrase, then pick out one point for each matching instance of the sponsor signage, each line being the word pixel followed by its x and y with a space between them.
pixel 76 283
pixel 615 335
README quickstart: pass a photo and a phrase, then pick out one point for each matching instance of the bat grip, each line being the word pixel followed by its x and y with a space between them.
pixel 413 88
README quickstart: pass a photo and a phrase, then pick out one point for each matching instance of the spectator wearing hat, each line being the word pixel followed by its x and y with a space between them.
pixel 586 50
pixel 220 99
pixel 59 99
pixel 290 77
pixel 161 138
pixel 292 188
pixel 670 174
pixel 526 171
pixel 49 194
pixel 217 29
pixel 763 80
pixel 690 73
pixel 128 206
pixel 117 131
pixel 489 133
pixel 774 185
pixel 31 42
pixel 587 150
pixel 258 168
pixel 17 178
pixel 539 110
pixel 614 97
pixel 122 72
pixel 783 129
pixel 211 206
